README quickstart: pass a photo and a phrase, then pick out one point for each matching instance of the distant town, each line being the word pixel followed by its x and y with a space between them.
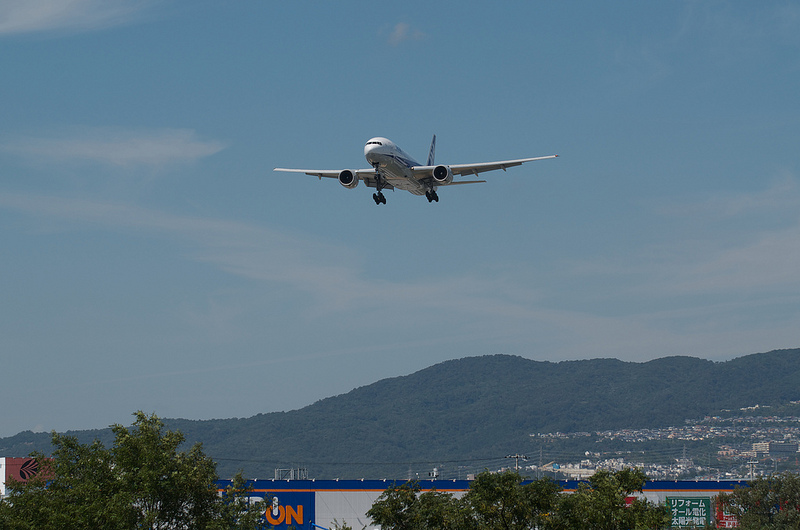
pixel 749 442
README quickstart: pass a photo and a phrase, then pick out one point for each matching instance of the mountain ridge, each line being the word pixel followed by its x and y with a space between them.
pixel 468 408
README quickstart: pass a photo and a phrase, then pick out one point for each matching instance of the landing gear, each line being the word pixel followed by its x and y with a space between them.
pixel 379 183
pixel 431 195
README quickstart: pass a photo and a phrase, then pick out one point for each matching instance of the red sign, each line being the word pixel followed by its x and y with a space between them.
pixel 724 519
pixel 21 469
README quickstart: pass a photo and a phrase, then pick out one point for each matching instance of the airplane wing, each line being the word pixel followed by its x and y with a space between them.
pixel 474 169
pixel 367 176
pixel 328 173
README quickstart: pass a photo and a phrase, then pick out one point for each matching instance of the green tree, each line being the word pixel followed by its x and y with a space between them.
pixel 771 502
pixel 78 488
pixel 143 481
pixel 502 501
pixel 237 509
pixel 403 507
pixel 396 508
pixel 601 504
pixel 494 501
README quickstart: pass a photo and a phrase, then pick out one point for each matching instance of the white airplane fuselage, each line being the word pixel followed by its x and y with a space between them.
pixel 394 164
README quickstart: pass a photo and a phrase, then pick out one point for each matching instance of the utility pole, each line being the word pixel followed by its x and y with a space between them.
pixel 752 463
pixel 516 458
pixel 539 469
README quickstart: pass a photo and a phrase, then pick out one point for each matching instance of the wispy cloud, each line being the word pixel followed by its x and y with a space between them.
pixel 30 16
pixel 780 197
pixel 721 275
pixel 114 146
pixel 686 299
pixel 335 278
pixel 250 251
pixel 403 32
pixel 333 275
pixel 752 243
pixel 767 264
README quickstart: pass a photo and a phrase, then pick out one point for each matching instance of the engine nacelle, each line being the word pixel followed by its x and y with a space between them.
pixel 348 178
pixel 442 175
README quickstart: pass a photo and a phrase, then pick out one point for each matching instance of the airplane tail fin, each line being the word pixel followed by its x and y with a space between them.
pixel 432 151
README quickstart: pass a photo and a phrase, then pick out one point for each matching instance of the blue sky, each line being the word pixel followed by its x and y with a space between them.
pixel 152 260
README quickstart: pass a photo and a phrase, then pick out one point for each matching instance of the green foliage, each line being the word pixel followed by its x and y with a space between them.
pixel 768 503
pixel 83 491
pixel 236 509
pixel 404 508
pixel 601 504
pixel 396 508
pixel 500 500
pixel 143 481
pixel 503 501
pixel 169 489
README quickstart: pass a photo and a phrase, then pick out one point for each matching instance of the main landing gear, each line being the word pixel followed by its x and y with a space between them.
pixel 379 184
pixel 431 195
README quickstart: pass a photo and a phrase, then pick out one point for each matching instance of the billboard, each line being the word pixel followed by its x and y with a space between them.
pixel 689 512
pixel 19 469
pixel 289 509
pixel 725 519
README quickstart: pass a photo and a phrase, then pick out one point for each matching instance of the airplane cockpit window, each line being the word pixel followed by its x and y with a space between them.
pixel 374 143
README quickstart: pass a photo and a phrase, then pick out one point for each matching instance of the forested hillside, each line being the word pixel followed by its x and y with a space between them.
pixel 475 408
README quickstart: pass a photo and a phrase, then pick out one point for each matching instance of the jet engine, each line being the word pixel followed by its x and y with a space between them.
pixel 442 175
pixel 348 179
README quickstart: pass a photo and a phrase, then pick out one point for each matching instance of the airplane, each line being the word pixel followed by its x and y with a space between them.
pixel 392 169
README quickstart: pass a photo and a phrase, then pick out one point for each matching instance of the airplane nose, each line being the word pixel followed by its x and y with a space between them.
pixel 375 149
pixel 369 149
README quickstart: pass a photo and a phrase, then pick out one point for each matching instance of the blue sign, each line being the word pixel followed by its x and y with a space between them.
pixel 288 508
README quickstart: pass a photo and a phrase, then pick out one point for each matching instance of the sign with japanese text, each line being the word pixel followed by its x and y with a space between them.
pixel 689 512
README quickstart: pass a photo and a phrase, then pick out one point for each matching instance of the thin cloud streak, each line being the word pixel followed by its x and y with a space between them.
pixel 736 243
pixel 333 276
pixel 115 147
pixel 781 197
pixel 328 272
pixel 494 309
pixel 26 16
pixel 763 256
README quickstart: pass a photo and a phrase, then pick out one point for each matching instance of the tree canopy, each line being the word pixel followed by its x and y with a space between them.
pixel 771 502
pixel 602 504
pixel 143 481
pixel 504 501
